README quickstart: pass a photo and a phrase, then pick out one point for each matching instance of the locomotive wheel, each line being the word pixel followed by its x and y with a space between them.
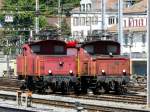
pixel 77 87
pixel 106 87
pixel 64 87
pixel 48 90
pixel 84 90
pixel 123 90
pixel 98 89
pixel 53 87
pixel 119 89
pixel 101 88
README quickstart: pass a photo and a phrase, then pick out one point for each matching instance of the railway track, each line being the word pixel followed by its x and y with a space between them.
pixel 74 105
pixel 128 98
pixel 10 82
pixel 88 107
pixel 13 85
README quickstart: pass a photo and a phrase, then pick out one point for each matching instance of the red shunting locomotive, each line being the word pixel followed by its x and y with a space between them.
pixel 57 66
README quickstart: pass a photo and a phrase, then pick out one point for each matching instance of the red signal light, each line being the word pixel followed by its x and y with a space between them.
pixel 71 43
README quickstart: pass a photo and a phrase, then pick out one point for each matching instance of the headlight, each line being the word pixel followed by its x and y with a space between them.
pixel 70 71
pixel 103 72
pixel 124 71
pixel 50 72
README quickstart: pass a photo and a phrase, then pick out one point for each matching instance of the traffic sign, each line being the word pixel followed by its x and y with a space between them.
pixel 8 18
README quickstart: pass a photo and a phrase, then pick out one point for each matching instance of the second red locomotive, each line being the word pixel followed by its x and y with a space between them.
pixel 54 65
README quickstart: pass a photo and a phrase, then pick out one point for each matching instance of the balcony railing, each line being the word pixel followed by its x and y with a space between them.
pixel 136 55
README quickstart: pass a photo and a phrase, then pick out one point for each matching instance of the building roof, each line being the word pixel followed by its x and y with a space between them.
pixel 140 7
pixel 53 21
pixel 112 5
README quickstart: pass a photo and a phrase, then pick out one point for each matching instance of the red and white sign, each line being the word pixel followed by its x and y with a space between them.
pixel 8 18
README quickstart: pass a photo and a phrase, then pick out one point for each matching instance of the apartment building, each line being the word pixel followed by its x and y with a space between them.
pixel 88 18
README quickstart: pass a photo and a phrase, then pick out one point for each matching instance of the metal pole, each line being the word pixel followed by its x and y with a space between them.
pixel 130 60
pixel 59 14
pixel 90 26
pixel 31 36
pixel 37 18
pixel 120 25
pixel 7 59
pixel 130 36
pixel 148 54
pixel 103 8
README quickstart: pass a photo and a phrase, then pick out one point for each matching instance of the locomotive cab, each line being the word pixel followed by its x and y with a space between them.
pixel 49 47
pixel 102 64
pixel 47 64
pixel 102 48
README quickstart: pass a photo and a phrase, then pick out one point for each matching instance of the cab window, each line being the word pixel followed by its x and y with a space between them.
pixel 112 49
pixel 89 49
pixel 58 49
pixel 35 48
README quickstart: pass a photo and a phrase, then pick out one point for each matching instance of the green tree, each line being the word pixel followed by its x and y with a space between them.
pixel 24 14
pixel 65 28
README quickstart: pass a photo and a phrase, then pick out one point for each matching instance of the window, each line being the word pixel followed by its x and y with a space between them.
pixel 116 20
pixel 95 20
pixel 82 33
pixel 111 20
pixel 126 40
pixel 75 33
pixel 143 39
pixel 71 51
pixel 58 49
pixel 35 48
pixel 88 21
pixel 88 7
pixel 89 32
pixel 82 20
pixel 89 49
pixel 75 21
pixel 129 3
pixel 83 7
pixel 111 48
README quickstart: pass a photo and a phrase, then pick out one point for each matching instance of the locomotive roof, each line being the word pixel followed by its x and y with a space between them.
pixel 44 41
pixel 101 41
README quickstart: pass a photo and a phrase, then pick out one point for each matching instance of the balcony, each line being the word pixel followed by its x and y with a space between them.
pixel 136 55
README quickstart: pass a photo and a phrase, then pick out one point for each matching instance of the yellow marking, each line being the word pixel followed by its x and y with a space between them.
pixel 39 64
pixel 78 65
pixel 130 62
pixel 36 65
pixel 22 66
pixel 94 68
pixel 25 67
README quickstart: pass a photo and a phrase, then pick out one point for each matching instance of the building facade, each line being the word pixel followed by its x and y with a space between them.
pixel 88 18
